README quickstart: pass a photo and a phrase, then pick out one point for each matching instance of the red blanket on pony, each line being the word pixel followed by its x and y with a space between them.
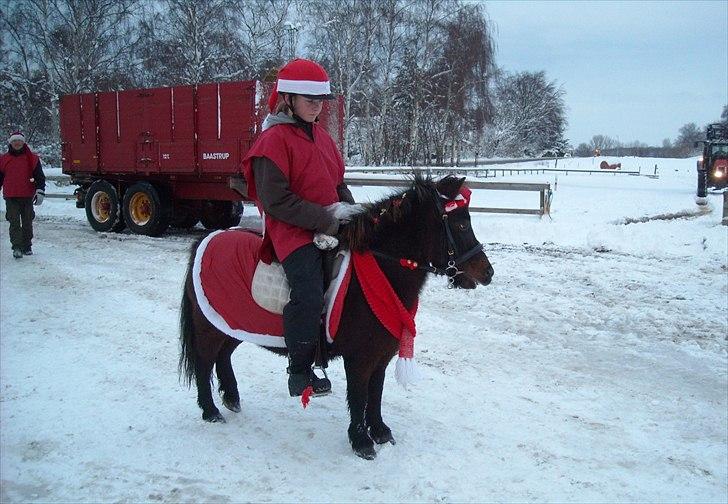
pixel 222 276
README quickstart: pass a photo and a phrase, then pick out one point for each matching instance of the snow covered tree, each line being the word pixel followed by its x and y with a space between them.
pixel 530 116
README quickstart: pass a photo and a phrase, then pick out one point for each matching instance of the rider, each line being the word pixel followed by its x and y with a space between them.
pixel 295 175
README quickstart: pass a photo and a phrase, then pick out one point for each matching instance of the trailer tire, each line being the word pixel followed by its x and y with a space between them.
pixel 221 214
pixel 103 207
pixel 147 209
pixel 185 216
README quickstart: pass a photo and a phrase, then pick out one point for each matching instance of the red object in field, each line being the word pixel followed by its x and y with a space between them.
pixel 186 141
pixel 606 166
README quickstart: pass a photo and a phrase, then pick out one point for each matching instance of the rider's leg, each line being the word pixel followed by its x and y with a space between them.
pixel 302 314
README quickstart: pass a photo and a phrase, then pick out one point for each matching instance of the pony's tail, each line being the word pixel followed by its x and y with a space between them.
pixel 186 367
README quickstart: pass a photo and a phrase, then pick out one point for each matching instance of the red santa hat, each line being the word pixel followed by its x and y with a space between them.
pixel 304 77
pixel 461 200
pixel 16 135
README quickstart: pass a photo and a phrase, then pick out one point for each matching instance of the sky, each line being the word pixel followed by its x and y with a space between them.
pixel 630 70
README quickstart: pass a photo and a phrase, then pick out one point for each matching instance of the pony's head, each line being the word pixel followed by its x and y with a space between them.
pixel 429 224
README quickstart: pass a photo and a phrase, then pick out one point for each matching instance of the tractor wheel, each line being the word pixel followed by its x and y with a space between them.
pixel 701 197
pixel 221 214
pixel 103 207
pixel 147 210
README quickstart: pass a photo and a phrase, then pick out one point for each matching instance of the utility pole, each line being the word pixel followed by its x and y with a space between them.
pixel 292 36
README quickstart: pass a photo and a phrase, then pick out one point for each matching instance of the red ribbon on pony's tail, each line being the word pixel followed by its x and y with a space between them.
pixel 405 371
pixel 306 396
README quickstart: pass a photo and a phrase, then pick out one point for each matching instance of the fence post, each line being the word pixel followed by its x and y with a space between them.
pixel 725 208
pixel 542 199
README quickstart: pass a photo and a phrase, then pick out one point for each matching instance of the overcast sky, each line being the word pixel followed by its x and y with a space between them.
pixel 633 70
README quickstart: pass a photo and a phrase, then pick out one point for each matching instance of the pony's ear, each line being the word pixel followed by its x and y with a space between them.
pixel 450 186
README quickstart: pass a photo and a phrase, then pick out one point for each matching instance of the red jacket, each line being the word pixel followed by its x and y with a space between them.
pixel 16 172
pixel 314 169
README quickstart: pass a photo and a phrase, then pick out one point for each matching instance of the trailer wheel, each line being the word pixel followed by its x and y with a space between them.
pixel 185 216
pixel 147 210
pixel 103 209
pixel 221 214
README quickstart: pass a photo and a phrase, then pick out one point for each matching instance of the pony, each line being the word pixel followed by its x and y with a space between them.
pixel 423 229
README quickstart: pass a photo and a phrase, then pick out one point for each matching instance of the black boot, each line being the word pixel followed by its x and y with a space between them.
pixel 300 374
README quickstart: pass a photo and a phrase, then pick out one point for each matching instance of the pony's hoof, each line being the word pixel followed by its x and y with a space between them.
pixel 361 443
pixel 232 406
pixel 383 436
pixel 366 452
pixel 214 417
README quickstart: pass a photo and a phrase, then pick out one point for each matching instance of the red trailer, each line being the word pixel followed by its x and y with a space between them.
pixel 148 158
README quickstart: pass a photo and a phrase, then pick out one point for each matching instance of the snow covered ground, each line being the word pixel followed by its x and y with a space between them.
pixel 593 368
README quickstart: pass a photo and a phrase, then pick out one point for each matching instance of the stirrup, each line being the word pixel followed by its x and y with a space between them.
pixel 321 386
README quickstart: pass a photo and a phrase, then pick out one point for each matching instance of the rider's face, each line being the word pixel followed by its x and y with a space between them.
pixel 307 108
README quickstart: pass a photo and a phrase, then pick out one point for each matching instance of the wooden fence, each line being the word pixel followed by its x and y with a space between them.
pixel 544 190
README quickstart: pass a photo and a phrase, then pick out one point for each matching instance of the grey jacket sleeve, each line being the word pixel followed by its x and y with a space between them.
pixel 281 203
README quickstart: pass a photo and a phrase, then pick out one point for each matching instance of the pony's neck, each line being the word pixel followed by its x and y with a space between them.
pixel 405 282
pixel 404 242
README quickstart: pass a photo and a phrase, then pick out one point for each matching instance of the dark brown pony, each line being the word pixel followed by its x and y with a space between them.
pixel 412 224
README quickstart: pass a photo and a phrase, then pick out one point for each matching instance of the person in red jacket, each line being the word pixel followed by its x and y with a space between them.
pixel 295 174
pixel 23 184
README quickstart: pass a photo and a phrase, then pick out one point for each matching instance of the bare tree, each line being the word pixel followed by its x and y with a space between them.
pixel 73 45
pixel 602 143
pixel 189 42
pixel 688 135
pixel 343 40
pixel 22 91
pixel 584 150
pixel 264 28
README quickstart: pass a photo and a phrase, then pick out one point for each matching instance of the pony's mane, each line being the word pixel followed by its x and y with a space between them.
pixel 358 234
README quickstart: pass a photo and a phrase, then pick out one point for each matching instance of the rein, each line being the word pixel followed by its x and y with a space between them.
pixel 454 259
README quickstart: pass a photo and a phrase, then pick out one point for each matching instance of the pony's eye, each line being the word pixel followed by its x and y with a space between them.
pixel 463 226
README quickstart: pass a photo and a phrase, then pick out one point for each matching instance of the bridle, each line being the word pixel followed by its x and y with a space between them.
pixel 455 259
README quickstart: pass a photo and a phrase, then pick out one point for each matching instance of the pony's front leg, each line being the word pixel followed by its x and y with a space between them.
pixel 378 430
pixel 357 390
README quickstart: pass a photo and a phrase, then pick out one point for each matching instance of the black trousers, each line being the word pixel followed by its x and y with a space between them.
pixel 19 213
pixel 302 314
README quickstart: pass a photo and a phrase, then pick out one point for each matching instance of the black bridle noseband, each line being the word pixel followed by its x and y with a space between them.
pixel 454 259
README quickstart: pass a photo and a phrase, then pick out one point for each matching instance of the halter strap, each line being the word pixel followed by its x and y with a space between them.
pixel 454 260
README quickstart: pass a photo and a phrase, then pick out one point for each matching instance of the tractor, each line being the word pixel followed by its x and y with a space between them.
pixel 713 164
